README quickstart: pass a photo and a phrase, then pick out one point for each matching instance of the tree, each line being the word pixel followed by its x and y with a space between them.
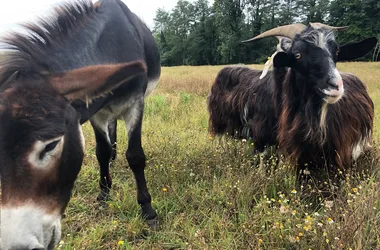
pixel 195 33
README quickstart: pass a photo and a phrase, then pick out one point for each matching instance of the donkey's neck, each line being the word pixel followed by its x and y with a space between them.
pixel 79 49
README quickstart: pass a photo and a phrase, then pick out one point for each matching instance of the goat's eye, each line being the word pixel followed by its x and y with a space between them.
pixel 298 56
pixel 49 148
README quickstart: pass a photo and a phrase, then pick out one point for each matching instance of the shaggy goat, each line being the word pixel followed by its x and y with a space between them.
pixel 316 115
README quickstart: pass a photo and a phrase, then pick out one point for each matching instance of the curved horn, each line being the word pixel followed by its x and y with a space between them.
pixel 321 25
pixel 287 30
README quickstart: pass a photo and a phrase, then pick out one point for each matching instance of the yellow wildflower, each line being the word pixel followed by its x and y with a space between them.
pixel 309 219
pixel 330 221
pixel 164 189
pixel 120 242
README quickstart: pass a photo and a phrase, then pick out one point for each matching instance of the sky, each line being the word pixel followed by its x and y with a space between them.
pixel 16 11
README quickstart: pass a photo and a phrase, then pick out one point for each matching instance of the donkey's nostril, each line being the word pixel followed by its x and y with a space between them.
pixel 40 248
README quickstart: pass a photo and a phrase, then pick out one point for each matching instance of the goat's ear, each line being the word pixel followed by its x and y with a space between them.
pixel 282 59
pixel 355 50
pixel 93 81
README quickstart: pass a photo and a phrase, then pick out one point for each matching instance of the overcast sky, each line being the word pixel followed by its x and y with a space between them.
pixel 16 11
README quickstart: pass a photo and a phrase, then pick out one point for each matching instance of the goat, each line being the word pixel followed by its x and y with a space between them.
pixel 316 115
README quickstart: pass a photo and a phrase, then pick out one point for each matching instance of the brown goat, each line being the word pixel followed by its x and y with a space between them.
pixel 242 105
pixel 317 116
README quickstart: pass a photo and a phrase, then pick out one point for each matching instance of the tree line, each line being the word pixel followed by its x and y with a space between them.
pixel 198 33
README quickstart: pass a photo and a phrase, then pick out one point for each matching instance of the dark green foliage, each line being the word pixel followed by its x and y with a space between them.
pixel 363 16
pixel 197 33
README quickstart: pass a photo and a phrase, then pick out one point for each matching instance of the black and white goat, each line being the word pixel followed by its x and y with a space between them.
pixel 315 114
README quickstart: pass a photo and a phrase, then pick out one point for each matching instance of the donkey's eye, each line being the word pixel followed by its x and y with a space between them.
pixel 337 52
pixel 49 148
pixel 298 55
pixel 51 145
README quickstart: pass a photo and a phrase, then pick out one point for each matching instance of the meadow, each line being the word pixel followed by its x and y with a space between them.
pixel 210 192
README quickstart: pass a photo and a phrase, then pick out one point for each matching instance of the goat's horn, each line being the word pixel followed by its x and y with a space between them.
pixel 321 25
pixel 287 30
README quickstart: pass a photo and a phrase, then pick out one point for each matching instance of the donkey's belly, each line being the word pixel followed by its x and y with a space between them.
pixel 152 84
pixel 118 108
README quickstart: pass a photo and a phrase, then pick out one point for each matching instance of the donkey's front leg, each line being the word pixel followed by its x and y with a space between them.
pixel 136 157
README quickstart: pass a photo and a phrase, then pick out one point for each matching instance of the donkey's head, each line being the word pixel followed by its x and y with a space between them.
pixel 41 147
pixel 313 54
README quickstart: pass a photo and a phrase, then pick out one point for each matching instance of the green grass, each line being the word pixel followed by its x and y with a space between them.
pixel 210 193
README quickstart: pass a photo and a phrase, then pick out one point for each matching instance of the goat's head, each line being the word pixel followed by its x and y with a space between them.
pixel 313 54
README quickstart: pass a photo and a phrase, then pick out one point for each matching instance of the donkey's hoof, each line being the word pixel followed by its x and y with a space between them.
pixel 103 197
pixel 150 216
pixel 113 155
pixel 154 224
pixel 147 212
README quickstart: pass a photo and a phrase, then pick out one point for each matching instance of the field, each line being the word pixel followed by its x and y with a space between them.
pixel 210 193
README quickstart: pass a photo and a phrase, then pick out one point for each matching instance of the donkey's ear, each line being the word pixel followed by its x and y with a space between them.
pixel 352 51
pixel 93 81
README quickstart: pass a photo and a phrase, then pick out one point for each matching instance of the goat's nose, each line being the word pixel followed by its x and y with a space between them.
pixel 333 85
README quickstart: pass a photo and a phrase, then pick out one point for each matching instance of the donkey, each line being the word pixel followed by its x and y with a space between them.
pixel 92 62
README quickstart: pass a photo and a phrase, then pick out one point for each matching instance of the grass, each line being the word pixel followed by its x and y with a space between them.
pixel 210 193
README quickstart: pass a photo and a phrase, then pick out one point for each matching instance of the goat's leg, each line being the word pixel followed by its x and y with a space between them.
pixel 136 157
pixel 103 154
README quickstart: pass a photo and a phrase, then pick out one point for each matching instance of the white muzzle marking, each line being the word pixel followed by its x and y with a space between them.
pixel 333 95
pixel 29 227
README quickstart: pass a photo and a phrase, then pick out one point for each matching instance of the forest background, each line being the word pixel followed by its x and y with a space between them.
pixel 200 33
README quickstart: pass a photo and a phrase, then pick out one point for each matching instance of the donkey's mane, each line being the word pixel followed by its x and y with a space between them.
pixel 27 52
